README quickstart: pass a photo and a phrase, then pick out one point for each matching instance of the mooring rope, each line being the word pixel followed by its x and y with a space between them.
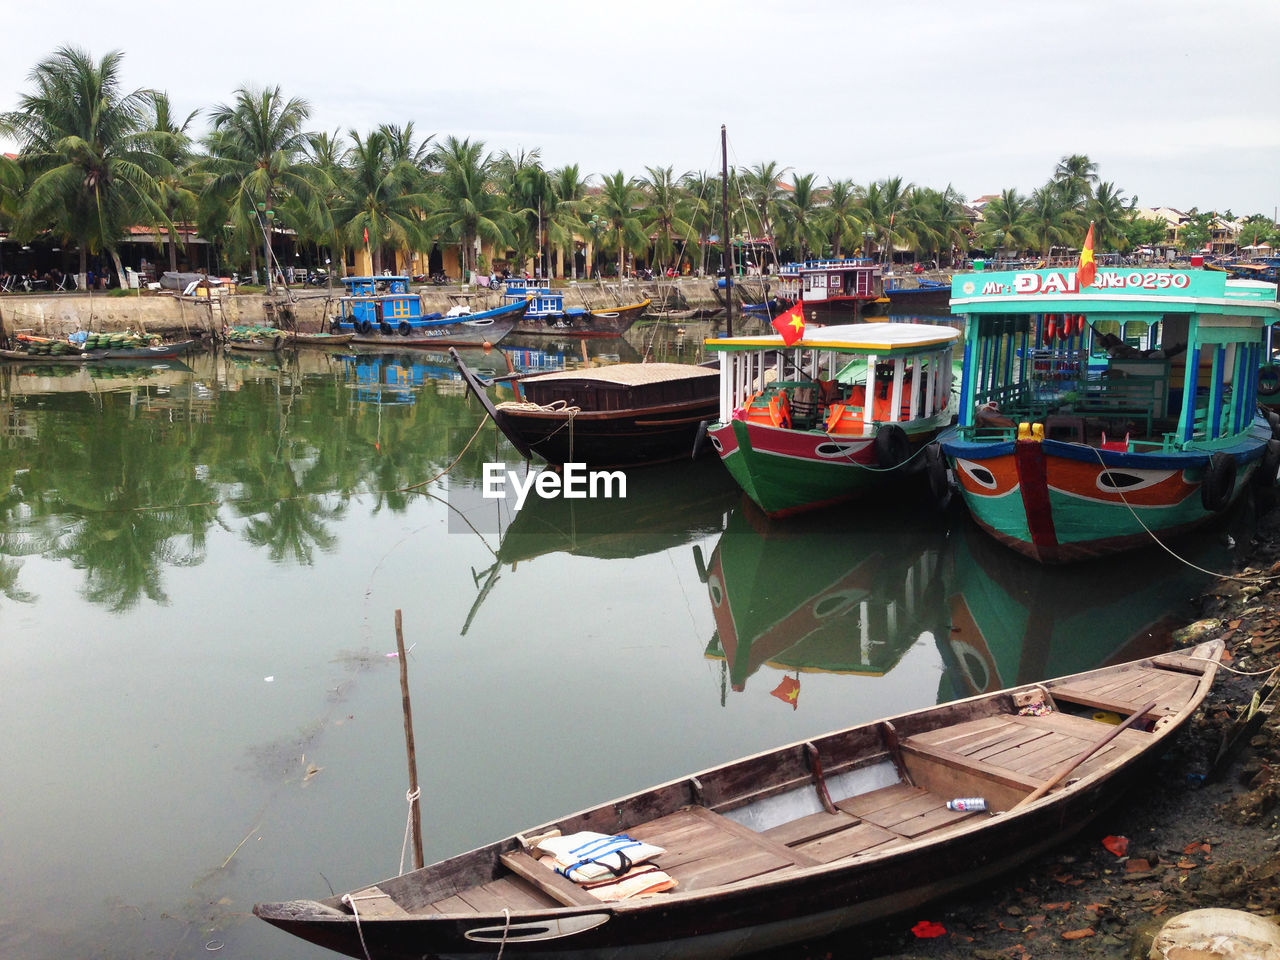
pixel 350 901
pixel 1255 580
pixel 411 798
pixel 506 928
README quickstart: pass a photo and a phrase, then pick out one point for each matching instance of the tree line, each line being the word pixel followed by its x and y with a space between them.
pixel 95 160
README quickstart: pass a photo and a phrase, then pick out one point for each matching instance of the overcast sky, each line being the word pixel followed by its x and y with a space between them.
pixel 1175 101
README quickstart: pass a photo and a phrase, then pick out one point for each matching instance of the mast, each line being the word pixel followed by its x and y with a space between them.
pixel 726 256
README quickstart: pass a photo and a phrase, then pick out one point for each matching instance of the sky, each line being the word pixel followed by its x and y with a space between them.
pixel 1176 102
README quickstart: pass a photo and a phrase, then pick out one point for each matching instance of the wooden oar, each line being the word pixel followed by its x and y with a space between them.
pixel 1065 770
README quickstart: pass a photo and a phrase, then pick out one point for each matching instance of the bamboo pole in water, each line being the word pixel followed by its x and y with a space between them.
pixel 415 808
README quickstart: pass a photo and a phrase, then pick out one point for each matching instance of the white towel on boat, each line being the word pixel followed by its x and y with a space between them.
pixel 587 856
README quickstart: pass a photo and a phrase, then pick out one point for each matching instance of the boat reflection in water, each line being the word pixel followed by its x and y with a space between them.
pixel 1014 620
pixel 648 520
pixel 845 594
pixel 851 595
pixel 396 378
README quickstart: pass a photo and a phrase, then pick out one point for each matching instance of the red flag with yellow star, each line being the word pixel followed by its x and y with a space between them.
pixel 1087 269
pixel 788 691
pixel 791 324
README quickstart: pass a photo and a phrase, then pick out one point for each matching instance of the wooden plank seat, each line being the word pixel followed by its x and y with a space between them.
pixel 1125 692
pixel 375 902
pixel 560 888
pixel 1004 758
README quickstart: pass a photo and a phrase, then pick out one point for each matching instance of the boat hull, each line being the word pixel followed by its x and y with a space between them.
pixel 592 323
pixel 474 329
pixel 1059 502
pixel 610 438
pixel 790 471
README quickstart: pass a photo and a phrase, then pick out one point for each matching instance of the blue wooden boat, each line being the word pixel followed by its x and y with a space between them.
pixel 383 311
pixel 548 314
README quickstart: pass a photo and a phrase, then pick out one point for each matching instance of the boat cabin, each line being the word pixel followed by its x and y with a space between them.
pixel 832 281
pixel 838 380
pixel 381 302
pixel 1142 361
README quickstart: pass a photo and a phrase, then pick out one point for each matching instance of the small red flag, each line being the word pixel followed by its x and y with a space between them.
pixel 791 324
pixel 366 236
pixel 1087 269
pixel 788 691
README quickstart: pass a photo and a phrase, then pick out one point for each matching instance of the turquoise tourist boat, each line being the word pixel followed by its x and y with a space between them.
pixel 839 412
pixel 382 310
pixel 1066 458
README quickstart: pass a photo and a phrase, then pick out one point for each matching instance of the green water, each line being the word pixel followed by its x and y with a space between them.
pixel 200 566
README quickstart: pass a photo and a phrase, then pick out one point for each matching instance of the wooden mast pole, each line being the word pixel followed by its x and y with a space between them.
pixel 415 808
pixel 726 256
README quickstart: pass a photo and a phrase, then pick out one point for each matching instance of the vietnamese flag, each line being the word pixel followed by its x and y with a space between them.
pixel 791 324
pixel 366 236
pixel 788 691
pixel 1087 269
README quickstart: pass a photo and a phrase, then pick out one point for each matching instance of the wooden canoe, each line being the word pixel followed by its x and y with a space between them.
pixel 796 842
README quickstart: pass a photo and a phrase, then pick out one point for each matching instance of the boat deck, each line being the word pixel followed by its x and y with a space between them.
pixel 1001 757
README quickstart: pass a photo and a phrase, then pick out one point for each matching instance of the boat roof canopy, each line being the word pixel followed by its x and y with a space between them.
pixel 877 338
pixel 631 374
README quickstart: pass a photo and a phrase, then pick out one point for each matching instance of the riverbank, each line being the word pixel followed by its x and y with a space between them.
pixel 307 309
pixel 1189 839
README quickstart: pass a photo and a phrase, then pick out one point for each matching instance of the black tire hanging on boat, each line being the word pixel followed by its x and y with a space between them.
pixel 935 468
pixel 364 326
pixel 1273 418
pixel 1219 482
pixel 386 328
pixel 1269 466
pixel 892 445
pixel 405 329
pixel 1269 380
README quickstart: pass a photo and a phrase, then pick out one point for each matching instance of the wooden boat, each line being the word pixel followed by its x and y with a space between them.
pixel 547 313
pixel 294 338
pixel 796 842
pixel 383 311
pixel 834 415
pixel 1063 459
pixel 25 356
pixel 621 414
pixel 903 296
pixel 833 291
pixel 256 339
pixel 97 347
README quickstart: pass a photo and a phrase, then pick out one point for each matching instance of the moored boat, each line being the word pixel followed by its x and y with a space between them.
pixel 255 339
pixel 833 291
pixel 547 313
pixel 621 414
pixel 835 414
pixel 84 347
pixel 383 311
pixel 322 339
pixel 1066 458
pixel 793 843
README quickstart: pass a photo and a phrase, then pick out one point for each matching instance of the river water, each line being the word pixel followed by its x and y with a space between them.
pixel 200 565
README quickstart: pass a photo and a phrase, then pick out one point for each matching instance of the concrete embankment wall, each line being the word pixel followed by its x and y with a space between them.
pixel 59 314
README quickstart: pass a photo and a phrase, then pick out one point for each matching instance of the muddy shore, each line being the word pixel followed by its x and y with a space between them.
pixel 1195 836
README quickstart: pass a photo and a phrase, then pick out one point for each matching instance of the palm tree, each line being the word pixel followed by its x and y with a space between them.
pixel 528 189
pixel 1005 222
pixel 568 209
pixel 802 216
pixel 663 216
pixel 885 201
pixel 465 208
pixel 1050 218
pixel 760 189
pixel 379 196
pixel 619 203
pixel 1110 213
pixel 90 162
pixel 935 221
pixel 1076 175
pixel 179 188
pixel 257 159
pixel 702 203
pixel 842 218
